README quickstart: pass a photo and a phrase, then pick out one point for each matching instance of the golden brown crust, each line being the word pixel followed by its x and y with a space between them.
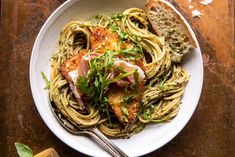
pixel 127 45
pixel 153 3
pixel 71 64
pixel 102 40
pixel 116 95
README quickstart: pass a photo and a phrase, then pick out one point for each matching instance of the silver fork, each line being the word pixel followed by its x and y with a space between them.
pixel 92 131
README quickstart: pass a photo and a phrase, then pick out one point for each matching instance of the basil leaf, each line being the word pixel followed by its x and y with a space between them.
pixel 23 150
pixel 46 80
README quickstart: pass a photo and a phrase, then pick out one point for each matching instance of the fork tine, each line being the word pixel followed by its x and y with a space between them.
pixel 92 131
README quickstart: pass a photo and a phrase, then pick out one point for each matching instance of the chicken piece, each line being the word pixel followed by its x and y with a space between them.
pixel 103 39
pixel 127 45
pixel 69 68
pixel 130 45
pixel 126 113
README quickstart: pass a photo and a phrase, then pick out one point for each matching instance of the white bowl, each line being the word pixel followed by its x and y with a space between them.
pixel 153 136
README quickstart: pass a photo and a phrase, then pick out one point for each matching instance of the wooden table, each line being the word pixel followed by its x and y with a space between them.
pixel 209 133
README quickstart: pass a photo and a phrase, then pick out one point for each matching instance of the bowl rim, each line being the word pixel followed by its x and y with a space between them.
pixel 50 20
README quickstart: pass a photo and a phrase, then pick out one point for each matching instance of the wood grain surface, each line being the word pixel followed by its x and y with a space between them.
pixel 210 132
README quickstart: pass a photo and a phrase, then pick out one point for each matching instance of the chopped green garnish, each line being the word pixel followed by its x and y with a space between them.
pixel 83 85
pixel 119 77
pixel 23 150
pixel 118 16
pixel 96 83
pixel 46 80
pixel 113 26
pixel 146 113
pixel 120 69
pixel 164 86
pixel 131 53
pixel 125 113
pixel 129 99
pixel 123 35
pixel 137 82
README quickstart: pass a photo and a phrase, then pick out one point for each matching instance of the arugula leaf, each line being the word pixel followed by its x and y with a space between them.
pixel 164 86
pixel 123 35
pixel 146 114
pixel 105 105
pixel 113 22
pixel 96 83
pixel 119 77
pixel 137 82
pixel 23 150
pixel 118 16
pixel 120 69
pixel 82 83
pixel 46 80
pixel 129 99
pixel 113 26
pixel 131 53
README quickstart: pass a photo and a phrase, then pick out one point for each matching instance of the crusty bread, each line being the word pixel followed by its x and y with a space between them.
pixel 167 23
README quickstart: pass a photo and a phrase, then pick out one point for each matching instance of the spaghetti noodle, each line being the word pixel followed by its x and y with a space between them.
pixel 163 87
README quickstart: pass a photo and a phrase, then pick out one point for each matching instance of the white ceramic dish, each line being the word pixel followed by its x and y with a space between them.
pixel 153 136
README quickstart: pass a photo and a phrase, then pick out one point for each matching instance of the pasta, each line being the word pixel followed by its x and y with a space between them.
pixel 163 87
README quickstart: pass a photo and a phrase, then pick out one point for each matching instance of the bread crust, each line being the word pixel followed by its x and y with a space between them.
pixel 154 3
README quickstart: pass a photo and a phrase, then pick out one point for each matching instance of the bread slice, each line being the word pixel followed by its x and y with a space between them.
pixel 167 23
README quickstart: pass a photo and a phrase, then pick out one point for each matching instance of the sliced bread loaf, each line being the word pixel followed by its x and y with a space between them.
pixel 167 23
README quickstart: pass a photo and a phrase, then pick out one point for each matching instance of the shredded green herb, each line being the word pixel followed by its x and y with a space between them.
pixel 131 53
pixel 118 16
pixel 125 113
pixel 129 99
pixel 95 84
pixel 123 35
pixel 164 86
pixel 146 113
pixel 119 77
pixel 83 85
pixel 137 82
pixel 113 26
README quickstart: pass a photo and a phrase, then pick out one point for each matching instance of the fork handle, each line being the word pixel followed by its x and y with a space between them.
pixel 112 148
